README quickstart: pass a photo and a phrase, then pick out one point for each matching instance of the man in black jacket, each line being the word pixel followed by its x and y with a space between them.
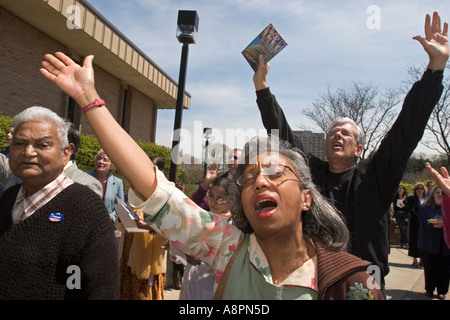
pixel 363 190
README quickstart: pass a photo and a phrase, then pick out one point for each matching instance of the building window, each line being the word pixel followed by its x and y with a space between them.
pixel 124 107
pixel 70 110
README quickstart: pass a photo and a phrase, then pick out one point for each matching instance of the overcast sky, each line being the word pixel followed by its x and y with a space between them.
pixel 330 45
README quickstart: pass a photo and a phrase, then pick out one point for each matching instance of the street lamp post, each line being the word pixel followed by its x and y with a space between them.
pixel 187 29
pixel 207 133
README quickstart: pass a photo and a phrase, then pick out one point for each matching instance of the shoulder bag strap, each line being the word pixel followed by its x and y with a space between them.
pixel 223 281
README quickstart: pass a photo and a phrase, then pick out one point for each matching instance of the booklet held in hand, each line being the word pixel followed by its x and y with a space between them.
pixel 127 216
pixel 268 43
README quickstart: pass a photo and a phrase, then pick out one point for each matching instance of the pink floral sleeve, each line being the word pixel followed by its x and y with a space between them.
pixel 446 218
pixel 191 229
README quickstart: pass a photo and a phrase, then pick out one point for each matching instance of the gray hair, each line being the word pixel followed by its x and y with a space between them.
pixel 321 222
pixel 41 113
pixel 360 135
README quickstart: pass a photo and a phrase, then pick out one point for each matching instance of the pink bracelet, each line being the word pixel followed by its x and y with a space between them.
pixel 96 103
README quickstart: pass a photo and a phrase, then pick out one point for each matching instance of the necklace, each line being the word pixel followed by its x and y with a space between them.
pixel 287 273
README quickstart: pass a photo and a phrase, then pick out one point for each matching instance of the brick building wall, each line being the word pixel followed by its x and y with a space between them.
pixel 22 48
pixel 21 84
pixel 141 116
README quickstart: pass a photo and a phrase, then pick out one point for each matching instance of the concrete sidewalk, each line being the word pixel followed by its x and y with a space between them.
pixel 404 282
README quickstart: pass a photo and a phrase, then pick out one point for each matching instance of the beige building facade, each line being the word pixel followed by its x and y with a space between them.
pixel 133 86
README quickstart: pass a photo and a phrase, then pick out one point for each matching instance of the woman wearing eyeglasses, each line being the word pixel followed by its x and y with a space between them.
pixel 199 277
pixel 200 195
pixel 286 240
pixel 412 204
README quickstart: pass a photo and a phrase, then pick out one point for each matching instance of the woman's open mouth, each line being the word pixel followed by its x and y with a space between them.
pixel 265 206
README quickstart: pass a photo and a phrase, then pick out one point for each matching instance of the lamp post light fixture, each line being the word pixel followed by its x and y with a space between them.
pixel 207 132
pixel 187 26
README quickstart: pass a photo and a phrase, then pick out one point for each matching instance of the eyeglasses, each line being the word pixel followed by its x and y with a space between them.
pixel 213 198
pixel 419 188
pixel 342 131
pixel 271 173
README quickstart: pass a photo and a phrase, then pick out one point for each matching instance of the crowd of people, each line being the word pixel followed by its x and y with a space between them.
pixel 281 224
pixel 419 220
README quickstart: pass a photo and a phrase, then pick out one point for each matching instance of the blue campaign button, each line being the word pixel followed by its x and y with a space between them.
pixel 55 217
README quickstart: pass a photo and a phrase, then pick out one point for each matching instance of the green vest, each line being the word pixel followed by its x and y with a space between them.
pixel 246 283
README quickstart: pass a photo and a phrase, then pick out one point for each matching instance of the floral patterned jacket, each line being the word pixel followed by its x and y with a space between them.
pixel 212 240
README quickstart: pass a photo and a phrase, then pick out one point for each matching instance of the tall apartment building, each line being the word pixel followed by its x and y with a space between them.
pixel 313 142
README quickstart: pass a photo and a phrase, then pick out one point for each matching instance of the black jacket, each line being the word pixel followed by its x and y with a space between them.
pixel 364 193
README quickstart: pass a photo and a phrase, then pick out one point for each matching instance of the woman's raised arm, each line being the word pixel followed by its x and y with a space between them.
pixel 78 82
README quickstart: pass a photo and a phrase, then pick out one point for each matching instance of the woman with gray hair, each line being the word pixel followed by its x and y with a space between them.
pixel 321 221
pixel 290 247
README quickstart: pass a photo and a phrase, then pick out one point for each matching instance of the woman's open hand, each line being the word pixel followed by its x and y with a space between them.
pixel 75 80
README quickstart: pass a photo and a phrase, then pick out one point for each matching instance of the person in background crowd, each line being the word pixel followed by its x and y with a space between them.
pixel 435 253
pixel 56 237
pixel 158 162
pixel 430 186
pixel 142 261
pixel 71 169
pixel 8 139
pixel 401 215
pixel 198 276
pixel 212 172
pixel 234 157
pixel 362 190
pixel 112 186
pixel 413 204
pixel 199 195
pixel 142 266
pixel 5 151
pixel 443 182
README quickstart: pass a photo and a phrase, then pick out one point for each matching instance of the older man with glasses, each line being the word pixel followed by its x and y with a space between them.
pixel 363 190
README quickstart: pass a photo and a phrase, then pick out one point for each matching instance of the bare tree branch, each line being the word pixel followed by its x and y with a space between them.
pixel 363 103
